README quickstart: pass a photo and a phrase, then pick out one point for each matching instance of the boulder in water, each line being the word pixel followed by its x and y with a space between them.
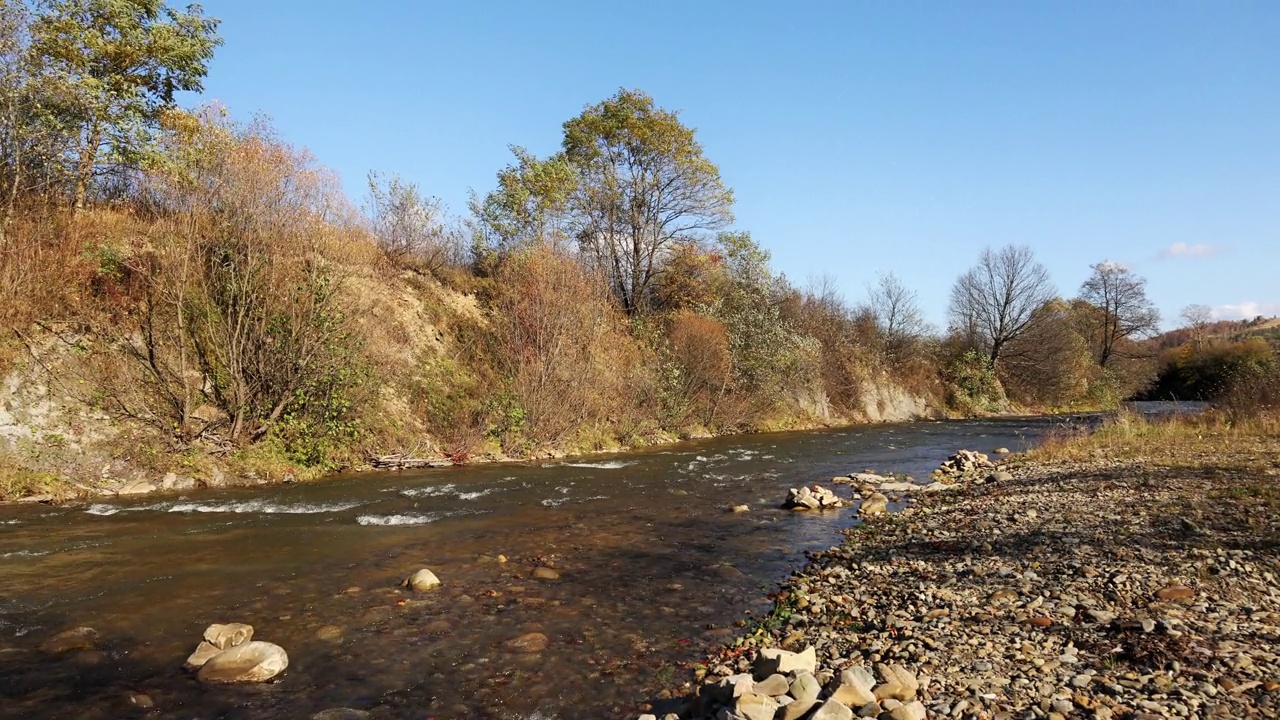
pixel 229 635
pixel 874 504
pixel 81 638
pixel 814 498
pixel 422 581
pixel 254 661
pixel 204 653
pixel 527 643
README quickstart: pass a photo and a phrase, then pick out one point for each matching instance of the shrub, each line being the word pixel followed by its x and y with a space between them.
pixel 563 346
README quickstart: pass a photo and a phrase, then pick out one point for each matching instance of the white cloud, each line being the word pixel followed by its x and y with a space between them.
pixel 1246 310
pixel 1199 250
pixel 1113 265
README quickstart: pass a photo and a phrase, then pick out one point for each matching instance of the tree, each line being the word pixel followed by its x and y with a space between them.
pixel 643 185
pixel 1123 310
pixel 241 296
pixel 994 303
pixel 527 208
pixel 897 314
pixel 1196 318
pixel 117 65
pixel 409 226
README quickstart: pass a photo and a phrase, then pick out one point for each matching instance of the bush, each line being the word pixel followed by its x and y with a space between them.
pixel 563 346
pixel 698 368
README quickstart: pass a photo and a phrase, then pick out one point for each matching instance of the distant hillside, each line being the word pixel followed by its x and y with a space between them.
pixel 1233 330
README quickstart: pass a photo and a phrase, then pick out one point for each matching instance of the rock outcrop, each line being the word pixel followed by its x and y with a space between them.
pixel 812 498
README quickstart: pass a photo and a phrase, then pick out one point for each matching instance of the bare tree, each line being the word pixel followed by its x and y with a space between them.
pixel 1120 296
pixel 994 302
pixel 409 226
pixel 1196 318
pixel 896 310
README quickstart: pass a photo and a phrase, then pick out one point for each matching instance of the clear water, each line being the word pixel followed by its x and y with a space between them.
pixel 654 571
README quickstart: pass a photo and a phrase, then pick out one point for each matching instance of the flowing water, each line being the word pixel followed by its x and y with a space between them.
pixel 653 573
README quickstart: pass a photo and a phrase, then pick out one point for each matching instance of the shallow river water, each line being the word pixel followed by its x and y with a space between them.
pixel 653 573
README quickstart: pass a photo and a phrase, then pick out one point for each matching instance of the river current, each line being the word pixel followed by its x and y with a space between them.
pixel 653 572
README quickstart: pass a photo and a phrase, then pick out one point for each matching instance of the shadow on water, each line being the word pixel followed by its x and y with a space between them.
pixel 653 572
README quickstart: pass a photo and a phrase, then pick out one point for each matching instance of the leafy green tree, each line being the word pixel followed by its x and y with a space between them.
pixel 115 66
pixel 643 186
pixel 527 208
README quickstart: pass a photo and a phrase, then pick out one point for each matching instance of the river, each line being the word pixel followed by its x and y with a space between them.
pixel 653 573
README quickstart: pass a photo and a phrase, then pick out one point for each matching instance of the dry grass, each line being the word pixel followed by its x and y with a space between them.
pixel 18 482
pixel 1180 440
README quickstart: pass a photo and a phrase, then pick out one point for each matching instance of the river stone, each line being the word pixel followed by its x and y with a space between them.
pixel 422 581
pixel 330 633
pixel 254 661
pixel 204 652
pixel 911 711
pixel 773 686
pixel 229 635
pixel 545 573
pixel 797 709
pixel 341 714
pixel 754 706
pixel 81 638
pixel 1000 476
pixel 527 643
pixel 137 487
pixel 853 690
pixel 875 504
pixel 805 687
pixel 1174 593
pixel 777 660
pixel 898 675
pixel 740 508
pixel 832 710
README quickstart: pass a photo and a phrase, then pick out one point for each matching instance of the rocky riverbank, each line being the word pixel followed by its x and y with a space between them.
pixel 1102 589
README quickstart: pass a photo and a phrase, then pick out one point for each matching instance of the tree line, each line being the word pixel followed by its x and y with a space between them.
pixel 228 294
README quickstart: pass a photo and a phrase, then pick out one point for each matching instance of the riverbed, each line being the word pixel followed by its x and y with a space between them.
pixel 653 571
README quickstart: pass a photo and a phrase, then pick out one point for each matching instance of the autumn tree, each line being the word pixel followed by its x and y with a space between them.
pixel 527 208
pixel 1196 319
pixel 115 67
pixel 241 306
pixel 1122 309
pixel 410 227
pixel 643 185
pixel 994 303
pixel 897 314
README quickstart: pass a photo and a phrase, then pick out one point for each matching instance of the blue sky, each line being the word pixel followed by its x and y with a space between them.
pixel 858 137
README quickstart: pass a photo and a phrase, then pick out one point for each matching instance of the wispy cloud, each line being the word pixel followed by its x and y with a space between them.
pixel 1246 310
pixel 1184 250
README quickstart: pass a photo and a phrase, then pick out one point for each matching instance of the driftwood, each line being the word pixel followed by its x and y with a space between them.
pixel 402 462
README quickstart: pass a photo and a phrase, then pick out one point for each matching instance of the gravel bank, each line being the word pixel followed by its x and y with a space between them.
pixel 1097 590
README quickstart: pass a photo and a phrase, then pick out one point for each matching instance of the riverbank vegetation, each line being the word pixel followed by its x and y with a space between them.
pixel 188 298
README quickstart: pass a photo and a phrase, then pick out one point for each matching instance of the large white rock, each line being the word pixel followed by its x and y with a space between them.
pixel 255 661
pixel 422 581
pixel 204 653
pixel 852 689
pixel 832 710
pixel 754 706
pixel 805 661
pixel 875 504
pixel 229 635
